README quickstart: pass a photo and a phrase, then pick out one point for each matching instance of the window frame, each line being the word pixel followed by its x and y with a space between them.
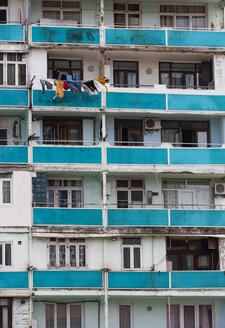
pixel 67 243
pixel 67 312
pixel 196 311
pixel 126 71
pixel 131 313
pixel 70 69
pixel 69 189
pixel 127 12
pixel 6 9
pixel 3 265
pixel 1 191
pixel 120 124
pixel 5 62
pixel 190 15
pixel 132 268
pixel 129 189
pixel 9 310
pixel 61 10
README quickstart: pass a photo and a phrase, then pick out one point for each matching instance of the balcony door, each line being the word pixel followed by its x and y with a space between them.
pixel 128 132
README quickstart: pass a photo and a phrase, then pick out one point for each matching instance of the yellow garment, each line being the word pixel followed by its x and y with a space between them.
pixel 102 81
pixel 59 88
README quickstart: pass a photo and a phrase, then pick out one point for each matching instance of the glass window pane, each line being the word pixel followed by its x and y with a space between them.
pixel 82 256
pixel 61 316
pixel 72 255
pixel 3 136
pixel 76 198
pixel 165 78
pixel 182 21
pixel 134 20
pixel 187 262
pixel 166 21
pixel 70 4
pixel 119 6
pixel 198 22
pixel 63 198
pixel 137 196
pixel 189 316
pixel 75 316
pixel 71 15
pixel 174 259
pixel 1 262
pixel 3 16
pixel 1 74
pixel 11 71
pixel 137 257
pixel 125 65
pixel 122 183
pixel 52 4
pixel 11 57
pixel 6 192
pixel 131 241
pixel 125 316
pixel 49 315
pixel 205 316
pixel 52 255
pixel 62 256
pixel 122 199
pixel 133 7
pixel 4 3
pixel 22 74
pixel 173 315
pixel 51 198
pixel 126 258
pixel 51 14
pixel 7 254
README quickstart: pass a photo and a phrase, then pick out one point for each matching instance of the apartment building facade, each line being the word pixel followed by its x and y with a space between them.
pixel 112 205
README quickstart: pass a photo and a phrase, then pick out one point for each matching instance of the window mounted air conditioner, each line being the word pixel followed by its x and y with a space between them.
pixel 220 188
pixel 152 124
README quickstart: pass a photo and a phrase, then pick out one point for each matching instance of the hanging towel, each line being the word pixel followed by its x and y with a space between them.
pixel 102 81
pixel 90 88
pixel 59 89
pixel 46 83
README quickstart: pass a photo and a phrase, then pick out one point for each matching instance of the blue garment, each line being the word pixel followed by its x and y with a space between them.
pixel 75 86
pixel 69 77
pixel 47 84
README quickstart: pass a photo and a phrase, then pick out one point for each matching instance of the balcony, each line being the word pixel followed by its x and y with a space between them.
pixel 166 280
pixel 67 279
pixel 65 35
pixel 16 280
pixel 197 218
pixel 69 100
pixel 67 216
pixel 14 154
pixel 14 97
pixel 67 155
pixel 12 33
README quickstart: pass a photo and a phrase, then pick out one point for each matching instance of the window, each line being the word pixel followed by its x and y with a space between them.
pixel 131 253
pixel 187 194
pixel 65 193
pixel 189 316
pixel 63 315
pixel 197 254
pixel 62 9
pixel 127 14
pixel 5 188
pixel 62 131
pixel 59 69
pixel 128 132
pixel 183 16
pixel 67 253
pixel 185 133
pixel 130 193
pixel 124 316
pixel 125 74
pixel 5 255
pixel 186 75
pixel 13 69
pixel 5 312
pixel 3 11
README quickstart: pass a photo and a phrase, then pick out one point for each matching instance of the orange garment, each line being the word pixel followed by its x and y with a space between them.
pixel 59 88
pixel 102 81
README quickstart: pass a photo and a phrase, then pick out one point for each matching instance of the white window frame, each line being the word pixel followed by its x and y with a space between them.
pixel 129 189
pixel 131 253
pixel 67 245
pixel 196 311
pixel 1 191
pixel 5 63
pixel 6 8
pixel 3 243
pixel 127 12
pixel 67 313
pixel 69 189
pixel 61 10
pixel 190 15
pixel 131 313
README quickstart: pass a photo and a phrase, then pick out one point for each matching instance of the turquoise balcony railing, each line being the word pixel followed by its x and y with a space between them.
pixel 14 97
pixel 14 280
pixel 65 35
pixel 67 279
pixel 12 33
pixel 207 156
pixel 67 155
pixel 14 154
pixel 198 279
pixel 67 216
pixel 197 218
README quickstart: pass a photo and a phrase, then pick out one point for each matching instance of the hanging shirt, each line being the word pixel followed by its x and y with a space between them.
pixel 59 88
pixel 90 88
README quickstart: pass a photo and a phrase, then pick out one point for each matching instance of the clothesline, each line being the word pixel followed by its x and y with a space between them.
pixel 92 87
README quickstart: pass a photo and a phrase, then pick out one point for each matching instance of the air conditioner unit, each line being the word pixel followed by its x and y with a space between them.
pixel 152 124
pixel 220 188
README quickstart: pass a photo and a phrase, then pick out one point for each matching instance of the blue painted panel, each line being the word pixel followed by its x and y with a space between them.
pixel 69 99
pixel 198 279
pixel 196 39
pixel 135 217
pixel 13 280
pixel 67 279
pixel 67 216
pixel 13 154
pixel 197 156
pixel 135 100
pixel 67 155
pixel 196 102
pixel 13 33
pixel 17 98
pixel 136 156
pixel 197 218
pixel 136 37
pixel 138 279
pixel 65 35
